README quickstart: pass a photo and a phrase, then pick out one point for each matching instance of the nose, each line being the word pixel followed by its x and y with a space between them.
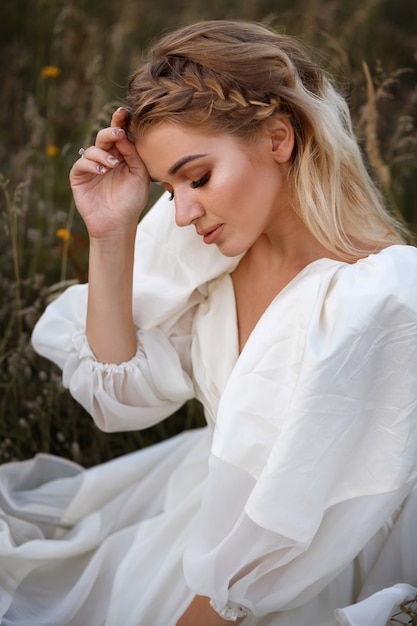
pixel 187 210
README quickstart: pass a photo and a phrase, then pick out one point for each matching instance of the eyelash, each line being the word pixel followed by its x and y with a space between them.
pixel 195 184
pixel 200 182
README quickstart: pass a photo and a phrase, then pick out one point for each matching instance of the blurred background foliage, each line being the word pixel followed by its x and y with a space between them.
pixel 64 65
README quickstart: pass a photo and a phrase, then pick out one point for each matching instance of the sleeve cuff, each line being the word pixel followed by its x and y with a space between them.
pixel 231 611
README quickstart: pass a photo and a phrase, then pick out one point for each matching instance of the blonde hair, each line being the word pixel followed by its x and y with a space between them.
pixel 228 77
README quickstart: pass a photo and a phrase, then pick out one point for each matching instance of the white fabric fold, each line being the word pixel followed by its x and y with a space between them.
pixel 229 557
pixel 109 514
pixel 379 608
pixel 135 394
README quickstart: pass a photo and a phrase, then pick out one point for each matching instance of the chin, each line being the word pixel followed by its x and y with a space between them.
pixel 230 250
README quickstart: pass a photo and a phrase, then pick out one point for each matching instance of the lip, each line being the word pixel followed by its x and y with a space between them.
pixel 211 234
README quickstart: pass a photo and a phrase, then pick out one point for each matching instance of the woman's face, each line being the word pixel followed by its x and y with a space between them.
pixel 230 191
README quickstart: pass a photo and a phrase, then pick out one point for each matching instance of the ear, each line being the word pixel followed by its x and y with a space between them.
pixel 281 138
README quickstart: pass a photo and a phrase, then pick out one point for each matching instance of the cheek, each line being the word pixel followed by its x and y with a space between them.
pixel 235 178
pixel 227 196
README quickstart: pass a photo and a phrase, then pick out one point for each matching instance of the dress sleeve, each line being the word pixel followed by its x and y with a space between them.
pixel 171 270
pixel 316 434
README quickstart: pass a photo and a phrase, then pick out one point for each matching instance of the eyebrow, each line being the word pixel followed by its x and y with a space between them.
pixel 183 161
pixel 180 163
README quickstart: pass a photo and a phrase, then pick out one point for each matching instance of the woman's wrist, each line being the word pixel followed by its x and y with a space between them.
pixel 231 612
pixel 119 240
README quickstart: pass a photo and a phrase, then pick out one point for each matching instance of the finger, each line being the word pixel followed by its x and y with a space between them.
pixel 119 118
pixel 94 161
pixel 86 166
pixel 108 138
pixel 101 157
pixel 114 141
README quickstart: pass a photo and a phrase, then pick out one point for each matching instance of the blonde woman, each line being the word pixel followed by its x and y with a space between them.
pixel 269 282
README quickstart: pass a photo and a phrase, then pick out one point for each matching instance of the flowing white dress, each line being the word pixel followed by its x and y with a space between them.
pixel 298 499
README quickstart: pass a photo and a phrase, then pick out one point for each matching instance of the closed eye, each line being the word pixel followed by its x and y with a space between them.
pixel 201 181
pixel 194 184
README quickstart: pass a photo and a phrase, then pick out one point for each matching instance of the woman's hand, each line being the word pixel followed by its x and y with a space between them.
pixel 110 182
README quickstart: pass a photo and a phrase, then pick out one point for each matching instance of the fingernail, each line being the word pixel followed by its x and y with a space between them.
pixel 117 131
pixel 101 169
pixel 112 160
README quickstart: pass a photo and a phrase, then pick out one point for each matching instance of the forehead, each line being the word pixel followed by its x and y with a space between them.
pixel 166 148
pixel 176 140
pixel 166 132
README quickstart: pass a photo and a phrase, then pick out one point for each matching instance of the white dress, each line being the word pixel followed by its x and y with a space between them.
pixel 297 500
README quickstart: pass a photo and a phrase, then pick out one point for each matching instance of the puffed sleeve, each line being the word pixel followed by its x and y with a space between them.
pixel 172 267
pixel 316 434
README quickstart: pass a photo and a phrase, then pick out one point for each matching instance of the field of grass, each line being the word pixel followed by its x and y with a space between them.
pixel 64 66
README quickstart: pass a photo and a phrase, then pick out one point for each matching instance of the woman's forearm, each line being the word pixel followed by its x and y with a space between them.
pixel 110 328
pixel 110 184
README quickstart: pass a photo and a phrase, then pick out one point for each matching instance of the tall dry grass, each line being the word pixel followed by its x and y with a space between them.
pixel 406 614
pixel 64 66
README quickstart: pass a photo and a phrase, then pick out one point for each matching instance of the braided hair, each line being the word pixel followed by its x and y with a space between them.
pixel 228 77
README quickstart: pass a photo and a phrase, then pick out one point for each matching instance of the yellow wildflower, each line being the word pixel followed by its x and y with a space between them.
pixel 51 150
pixel 50 71
pixel 63 233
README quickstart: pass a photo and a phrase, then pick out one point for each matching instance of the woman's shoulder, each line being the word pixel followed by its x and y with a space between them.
pixel 331 304
pixel 388 274
pixel 391 262
pixel 388 277
pixel 372 302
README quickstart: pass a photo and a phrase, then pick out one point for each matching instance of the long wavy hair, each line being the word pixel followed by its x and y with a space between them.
pixel 229 77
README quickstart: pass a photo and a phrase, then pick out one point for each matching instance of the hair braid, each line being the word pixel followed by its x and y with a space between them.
pixel 191 88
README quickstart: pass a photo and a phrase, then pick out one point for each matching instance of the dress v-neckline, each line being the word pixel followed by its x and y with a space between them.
pixel 299 276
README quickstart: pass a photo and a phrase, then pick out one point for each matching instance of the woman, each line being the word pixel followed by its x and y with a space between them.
pixel 277 290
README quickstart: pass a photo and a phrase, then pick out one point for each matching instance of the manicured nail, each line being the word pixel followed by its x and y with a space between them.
pixel 117 131
pixel 101 169
pixel 112 160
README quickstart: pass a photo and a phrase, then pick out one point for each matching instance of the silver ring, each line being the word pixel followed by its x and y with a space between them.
pixel 81 152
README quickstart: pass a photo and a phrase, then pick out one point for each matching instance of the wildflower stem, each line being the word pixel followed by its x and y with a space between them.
pixel 66 243
pixel 11 212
